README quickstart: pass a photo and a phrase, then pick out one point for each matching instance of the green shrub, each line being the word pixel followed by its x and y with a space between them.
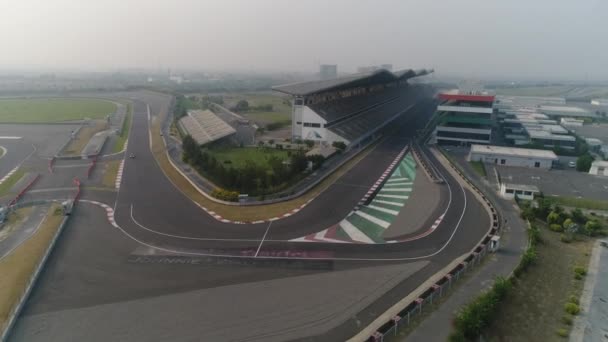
pixel 573 299
pixel 225 195
pixel 572 308
pixel 580 270
pixel 565 238
pixel 562 332
pixel 534 235
pixel 554 227
pixel 567 320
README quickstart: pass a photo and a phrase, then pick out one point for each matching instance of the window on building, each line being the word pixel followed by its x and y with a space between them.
pixel 502 162
pixel 509 191
pixel 299 122
pixel 298 102
pixel 536 164
pixel 528 193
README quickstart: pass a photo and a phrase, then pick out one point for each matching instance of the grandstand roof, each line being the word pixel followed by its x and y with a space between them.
pixel 360 79
pixel 204 126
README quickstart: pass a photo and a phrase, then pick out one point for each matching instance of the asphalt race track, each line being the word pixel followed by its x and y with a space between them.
pixel 166 252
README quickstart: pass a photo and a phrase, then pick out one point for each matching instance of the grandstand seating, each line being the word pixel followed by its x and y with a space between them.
pixel 367 120
pixel 205 126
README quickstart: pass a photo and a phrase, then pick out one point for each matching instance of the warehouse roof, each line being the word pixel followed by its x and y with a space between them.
pixel 513 151
pixel 204 126
pixel 360 79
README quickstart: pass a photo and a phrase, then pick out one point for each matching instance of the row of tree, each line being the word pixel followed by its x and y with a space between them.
pixel 250 178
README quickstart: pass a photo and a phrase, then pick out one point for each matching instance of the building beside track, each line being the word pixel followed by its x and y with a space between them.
pixel 465 118
pixel 350 109
pixel 512 156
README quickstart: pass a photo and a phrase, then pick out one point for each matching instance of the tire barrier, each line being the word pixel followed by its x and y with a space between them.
pixel 444 284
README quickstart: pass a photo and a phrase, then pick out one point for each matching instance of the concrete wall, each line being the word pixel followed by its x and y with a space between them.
pixel 510 160
pixel 526 195
pixel 312 133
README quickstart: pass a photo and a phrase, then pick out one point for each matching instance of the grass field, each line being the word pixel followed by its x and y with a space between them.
pixel 16 268
pixel 479 167
pixel 10 181
pixel 281 111
pixel 582 203
pixel 121 139
pixel 239 155
pixel 110 172
pixel 249 213
pixel 535 307
pixel 53 110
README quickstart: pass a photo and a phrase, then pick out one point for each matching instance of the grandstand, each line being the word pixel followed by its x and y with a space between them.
pixel 352 108
pixel 204 126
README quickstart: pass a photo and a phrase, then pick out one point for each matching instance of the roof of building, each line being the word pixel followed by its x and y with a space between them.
pixel 513 151
pixel 600 163
pixel 204 126
pixel 360 79
pixel 469 96
pixel 522 187
pixel 547 135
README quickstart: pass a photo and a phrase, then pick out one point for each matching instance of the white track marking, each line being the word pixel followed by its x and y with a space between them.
pixel 389 203
pixel 388 211
pixel 354 233
pixel 373 219
pixel 263 238
pixel 393 196
pixel 395 190
pixel 398 179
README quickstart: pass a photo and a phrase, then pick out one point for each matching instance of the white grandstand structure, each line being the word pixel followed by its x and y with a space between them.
pixel 350 109
pixel 205 127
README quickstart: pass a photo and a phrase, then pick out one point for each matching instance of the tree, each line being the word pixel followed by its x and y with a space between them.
pixel 309 143
pixel 593 227
pixel 578 216
pixel 242 106
pixel 583 163
pixel 554 218
pixel 339 145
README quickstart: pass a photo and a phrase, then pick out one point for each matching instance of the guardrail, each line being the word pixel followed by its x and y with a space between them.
pixel 22 192
pixel 428 170
pixel 441 287
pixel 92 166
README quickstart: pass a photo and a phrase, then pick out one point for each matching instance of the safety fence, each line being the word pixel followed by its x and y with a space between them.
pixel 92 166
pixel 22 192
pixel 422 160
pixel 442 287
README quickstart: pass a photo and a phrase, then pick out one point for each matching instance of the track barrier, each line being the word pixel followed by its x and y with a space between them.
pixel 22 192
pixel 443 286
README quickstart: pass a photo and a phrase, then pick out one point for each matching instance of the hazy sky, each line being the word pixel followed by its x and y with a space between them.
pixel 477 38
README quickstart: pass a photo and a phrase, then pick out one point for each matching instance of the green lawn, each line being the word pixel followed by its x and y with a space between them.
pixel 582 203
pixel 10 181
pixel 479 167
pixel 281 111
pixel 534 309
pixel 239 155
pixel 53 109
pixel 121 139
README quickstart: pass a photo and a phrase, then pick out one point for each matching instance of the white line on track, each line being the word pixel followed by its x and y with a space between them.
pixel 263 238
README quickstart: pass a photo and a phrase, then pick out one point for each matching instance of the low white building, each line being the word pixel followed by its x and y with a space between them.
pixel 599 168
pixel 526 192
pixel 512 156
pixel 570 122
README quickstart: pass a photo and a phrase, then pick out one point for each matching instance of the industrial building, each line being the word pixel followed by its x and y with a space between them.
pixel 465 118
pixel 350 109
pixel 523 123
pixel 599 168
pixel 512 156
pixel 560 111
pixel 600 102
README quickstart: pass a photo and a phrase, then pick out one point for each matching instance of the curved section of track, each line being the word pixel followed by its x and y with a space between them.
pixel 150 210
